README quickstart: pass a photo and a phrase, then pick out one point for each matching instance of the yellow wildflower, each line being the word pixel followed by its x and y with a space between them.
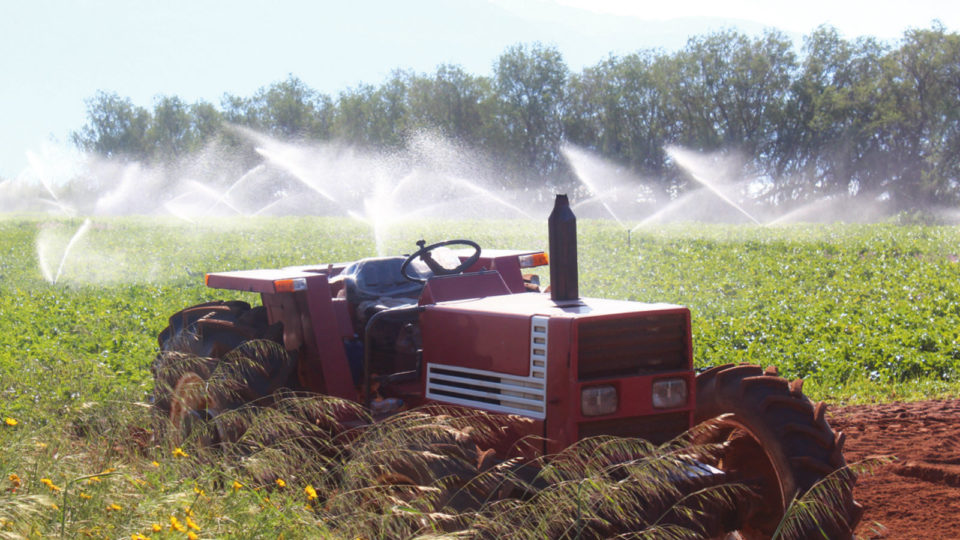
pixel 281 483
pixel 192 525
pixel 49 483
pixel 175 525
pixel 192 535
pixel 138 536
pixel 41 445
pixel 311 493
pixel 155 463
pixel 187 510
pixel 85 495
pixel 137 482
pixel 178 452
pixel 156 527
pixel 14 480
pixel 10 421
pixel 114 507
pixel 94 480
pixel 199 491
pixel 237 486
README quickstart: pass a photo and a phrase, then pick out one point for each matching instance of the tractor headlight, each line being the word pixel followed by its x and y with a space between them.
pixel 598 400
pixel 669 393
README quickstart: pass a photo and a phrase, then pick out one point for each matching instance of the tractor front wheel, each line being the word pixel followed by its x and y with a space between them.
pixel 777 443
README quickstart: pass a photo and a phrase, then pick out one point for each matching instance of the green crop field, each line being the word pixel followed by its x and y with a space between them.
pixel 861 312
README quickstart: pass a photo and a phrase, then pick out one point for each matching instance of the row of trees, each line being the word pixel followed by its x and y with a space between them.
pixel 840 117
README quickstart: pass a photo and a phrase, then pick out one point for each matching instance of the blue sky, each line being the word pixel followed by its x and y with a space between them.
pixel 56 54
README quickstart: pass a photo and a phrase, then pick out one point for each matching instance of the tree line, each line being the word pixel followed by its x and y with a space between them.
pixel 859 118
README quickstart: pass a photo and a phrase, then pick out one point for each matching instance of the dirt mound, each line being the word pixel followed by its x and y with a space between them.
pixel 918 494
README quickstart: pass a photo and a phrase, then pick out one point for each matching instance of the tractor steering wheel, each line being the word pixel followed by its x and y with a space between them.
pixel 424 254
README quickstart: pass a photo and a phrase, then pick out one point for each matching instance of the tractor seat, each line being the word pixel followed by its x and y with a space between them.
pixel 379 277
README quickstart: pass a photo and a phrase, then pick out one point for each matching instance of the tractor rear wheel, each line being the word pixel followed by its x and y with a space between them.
pixel 778 443
pixel 184 348
pixel 215 357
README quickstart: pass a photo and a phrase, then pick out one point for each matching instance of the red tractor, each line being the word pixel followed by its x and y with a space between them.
pixel 470 328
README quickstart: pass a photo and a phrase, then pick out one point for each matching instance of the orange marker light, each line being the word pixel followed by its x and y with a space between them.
pixel 537 259
pixel 290 285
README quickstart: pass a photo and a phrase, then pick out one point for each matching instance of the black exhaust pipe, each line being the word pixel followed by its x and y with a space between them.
pixel 562 227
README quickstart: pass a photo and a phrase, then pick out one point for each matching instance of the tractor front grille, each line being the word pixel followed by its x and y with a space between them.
pixel 488 390
pixel 656 428
pixel 610 348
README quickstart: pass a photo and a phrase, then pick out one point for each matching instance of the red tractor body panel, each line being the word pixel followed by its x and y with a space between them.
pixel 506 262
pixel 317 320
pixel 260 281
pixel 313 321
pixel 447 288
pixel 482 353
pixel 488 345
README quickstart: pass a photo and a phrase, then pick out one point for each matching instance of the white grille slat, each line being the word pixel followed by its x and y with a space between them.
pixel 530 388
pixel 492 407
pixel 440 378
pixel 505 378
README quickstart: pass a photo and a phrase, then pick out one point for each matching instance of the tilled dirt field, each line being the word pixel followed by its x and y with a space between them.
pixel 918 494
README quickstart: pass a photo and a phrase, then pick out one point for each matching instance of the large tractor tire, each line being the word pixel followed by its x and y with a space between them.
pixel 778 443
pixel 216 357
pixel 183 349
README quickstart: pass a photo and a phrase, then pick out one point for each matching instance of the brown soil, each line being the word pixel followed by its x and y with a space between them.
pixel 918 494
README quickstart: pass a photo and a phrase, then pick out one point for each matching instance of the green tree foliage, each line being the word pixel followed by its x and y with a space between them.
pixel 171 131
pixel 287 108
pixel 828 143
pixel 453 102
pixel 617 109
pixel 530 84
pixel 838 118
pixel 115 127
pixel 375 117
pixel 730 90
pixel 920 116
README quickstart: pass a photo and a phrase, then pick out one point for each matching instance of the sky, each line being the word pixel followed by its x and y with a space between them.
pixel 54 55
